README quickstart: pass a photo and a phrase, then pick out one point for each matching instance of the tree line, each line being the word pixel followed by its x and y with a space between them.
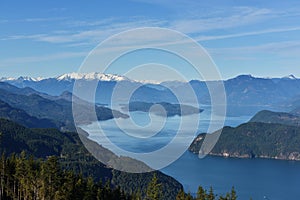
pixel 25 178
pixel 207 195
pixel 154 192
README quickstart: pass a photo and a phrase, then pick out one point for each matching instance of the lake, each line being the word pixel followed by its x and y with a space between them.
pixel 256 178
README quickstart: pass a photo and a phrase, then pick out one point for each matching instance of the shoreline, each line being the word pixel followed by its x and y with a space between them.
pixel 246 156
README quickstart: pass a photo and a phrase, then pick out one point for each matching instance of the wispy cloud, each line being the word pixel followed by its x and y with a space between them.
pixel 41 58
pixel 251 33
pixel 274 47
pixel 57 9
pixel 41 19
pixel 241 16
pixel 88 23
pixel 33 20
pixel 94 31
pixel 22 37
pixel 282 49
pixel 87 36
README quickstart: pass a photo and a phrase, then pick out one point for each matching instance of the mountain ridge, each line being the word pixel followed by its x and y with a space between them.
pixel 57 110
pixel 116 77
pixel 267 134
pixel 255 140
pixel 241 91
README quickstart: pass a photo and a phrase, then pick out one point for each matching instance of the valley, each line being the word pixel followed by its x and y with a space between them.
pixel 267 134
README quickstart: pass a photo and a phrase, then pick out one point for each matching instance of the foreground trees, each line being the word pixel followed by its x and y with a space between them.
pixel 204 195
pixel 154 190
pixel 26 178
pixel 29 179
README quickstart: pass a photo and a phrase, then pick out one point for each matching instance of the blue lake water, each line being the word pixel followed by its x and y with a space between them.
pixel 256 178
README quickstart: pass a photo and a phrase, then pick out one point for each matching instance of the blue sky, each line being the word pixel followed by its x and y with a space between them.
pixel 49 38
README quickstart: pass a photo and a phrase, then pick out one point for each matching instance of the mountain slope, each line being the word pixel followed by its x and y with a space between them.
pixel 21 117
pixel 266 116
pixel 38 142
pixel 256 140
pixel 16 90
pixel 42 143
pixel 59 110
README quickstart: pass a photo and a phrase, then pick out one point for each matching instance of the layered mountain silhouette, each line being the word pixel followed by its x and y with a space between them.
pixel 245 94
pixel 37 109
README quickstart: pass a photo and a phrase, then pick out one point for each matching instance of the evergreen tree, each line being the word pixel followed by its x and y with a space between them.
pixel 201 194
pixel 211 195
pixel 2 175
pixel 26 178
pixel 233 195
pixel 100 191
pixel 79 187
pixel 154 189
pixel 189 196
pixel 67 189
pixel 51 174
pixel 180 195
pixel 137 195
pixel 90 189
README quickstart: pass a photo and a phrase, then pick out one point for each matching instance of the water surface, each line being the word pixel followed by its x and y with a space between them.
pixel 256 178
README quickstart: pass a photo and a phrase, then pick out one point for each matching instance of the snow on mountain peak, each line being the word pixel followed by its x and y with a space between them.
pixel 27 78
pixel 92 76
pixel 291 76
pixel 22 78
pixel 7 79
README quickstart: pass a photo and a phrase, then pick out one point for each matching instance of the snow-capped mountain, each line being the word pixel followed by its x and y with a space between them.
pixel 241 90
pixel 21 78
pixel 92 76
pixel 70 77
pixel 291 77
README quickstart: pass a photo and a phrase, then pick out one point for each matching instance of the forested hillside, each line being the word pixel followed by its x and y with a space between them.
pixel 255 140
pixel 72 156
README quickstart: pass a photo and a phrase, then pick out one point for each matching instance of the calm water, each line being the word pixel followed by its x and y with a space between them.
pixel 256 178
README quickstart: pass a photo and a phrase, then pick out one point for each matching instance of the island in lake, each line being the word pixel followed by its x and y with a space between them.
pixel 169 109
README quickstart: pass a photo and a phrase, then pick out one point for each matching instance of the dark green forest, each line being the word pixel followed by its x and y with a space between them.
pixel 28 178
pixel 256 140
pixel 73 156
pixel 266 116
pixel 23 177
pixel 50 164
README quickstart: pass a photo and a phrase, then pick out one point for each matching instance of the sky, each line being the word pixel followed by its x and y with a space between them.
pixel 50 38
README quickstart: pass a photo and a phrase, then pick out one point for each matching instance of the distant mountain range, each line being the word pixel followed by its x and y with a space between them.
pixel 35 109
pixel 246 94
pixel 72 76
